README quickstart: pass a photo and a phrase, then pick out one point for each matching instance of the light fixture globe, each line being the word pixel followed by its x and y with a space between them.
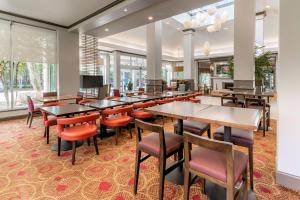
pixel 187 24
pixel 212 10
pixel 211 29
pixel 206 48
pixel 224 16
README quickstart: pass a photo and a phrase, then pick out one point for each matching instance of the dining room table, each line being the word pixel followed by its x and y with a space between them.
pixel 249 93
pixel 67 110
pixel 57 98
pixel 128 100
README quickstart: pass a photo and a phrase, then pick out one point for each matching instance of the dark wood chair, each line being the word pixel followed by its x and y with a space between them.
pixel 32 111
pixel 197 128
pixel 260 104
pixel 49 94
pixel 231 101
pixel 242 138
pixel 160 145
pixel 215 161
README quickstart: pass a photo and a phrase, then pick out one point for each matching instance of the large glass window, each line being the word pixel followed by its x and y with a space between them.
pixel 133 70
pixel 167 72
pixel 27 63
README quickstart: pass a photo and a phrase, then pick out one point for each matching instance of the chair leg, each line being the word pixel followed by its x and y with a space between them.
pixel 230 193
pixel 73 152
pixel 116 135
pixel 47 134
pixel 209 133
pixel 88 142
pixel 137 170
pixel 27 118
pixel 31 118
pixel 95 144
pixel 187 176
pixel 162 177
pixel 250 153
pixel 58 145
pixel 130 132
pixel 264 124
pixel 245 190
pixel 45 131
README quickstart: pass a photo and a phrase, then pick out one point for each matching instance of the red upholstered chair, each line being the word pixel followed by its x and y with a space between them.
pixel 180 98
pixel 31 111
pixel 139 112
pixel 77 128
pixel 83 101
pixel 214 161
pixel 141 91
pixel 160 145
pixel 111 97
pixel 163 101
pixel 116 93
pixel 49 94
pixel 242 138
pixel 117 118
pixel 80 97
pixel 50 121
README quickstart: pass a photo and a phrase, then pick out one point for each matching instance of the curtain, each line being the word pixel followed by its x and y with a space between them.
pixel 5 50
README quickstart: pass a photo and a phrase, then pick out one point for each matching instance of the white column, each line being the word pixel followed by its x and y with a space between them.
pixel 259 30
pixel 107 67
pixel 244 38
pixel 288 87
pixel 188 54
pixel 154 50
pixel 117 70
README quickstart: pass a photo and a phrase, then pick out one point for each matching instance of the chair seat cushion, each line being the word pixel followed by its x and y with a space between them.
pixel 52 121
pixel 194 127
pixel 213 163
pixel 194 100
pixel 79 132
pixel 151 142
pixel 141 114
pixel 237 133
pixel 117 121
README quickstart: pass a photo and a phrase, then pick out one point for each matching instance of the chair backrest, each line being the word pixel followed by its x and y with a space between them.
pixel 144 105
pixel 228 98
pixel 63 122
pixel 117 93
pixel 79 97
pixel 111 97
pixel 45 115
pixel 258 102
pixel 126 110
pixel 30 104
pixel 103 92
pixel 49 94
pixel 219 146
pixel 154 128
pixel 83 101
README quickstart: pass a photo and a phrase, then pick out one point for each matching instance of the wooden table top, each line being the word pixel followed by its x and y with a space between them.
pixel 103 104
pixel 249 93
pixel 243 118
pixel 128 99
pixel 68 109
pixel 179 110
pixel 57 98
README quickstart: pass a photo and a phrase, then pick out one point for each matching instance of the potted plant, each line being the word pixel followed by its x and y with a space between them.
pixel 129 86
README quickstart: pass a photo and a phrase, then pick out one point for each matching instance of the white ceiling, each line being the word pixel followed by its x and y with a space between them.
pixel 172 39
pixel 62 12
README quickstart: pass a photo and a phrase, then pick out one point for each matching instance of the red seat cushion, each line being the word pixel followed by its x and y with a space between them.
pixel 235 132
pixel 213 163
pixel 194 100
pixel 36 110
pixel 193 127
pixel 118 121
pixel 141 114
pixel 151 142
pixel 79 132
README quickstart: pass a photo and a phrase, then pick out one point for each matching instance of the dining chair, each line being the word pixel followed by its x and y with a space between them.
pixel 139 111
pixel 216 162
pixel 80 97
pixel 243 138
pixel 158 144
pixel 50 121
pixel 32 111
pixel 260 104
pixel 231 101
pixel 116 93
pixel 49 94
pixel 76 129
pixel 116 118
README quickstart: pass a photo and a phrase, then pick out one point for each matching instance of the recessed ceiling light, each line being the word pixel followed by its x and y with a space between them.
pixel 106 30
pixel 125 10
pixel 150 18
pixel 178 28
pixel 167 22
pixel 226 28
pixel 268 6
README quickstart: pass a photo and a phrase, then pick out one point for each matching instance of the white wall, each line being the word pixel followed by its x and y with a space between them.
pixel 68 62
pixel 288 88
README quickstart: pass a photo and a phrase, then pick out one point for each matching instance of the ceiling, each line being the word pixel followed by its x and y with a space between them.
pixel 62 12
pixel 221 42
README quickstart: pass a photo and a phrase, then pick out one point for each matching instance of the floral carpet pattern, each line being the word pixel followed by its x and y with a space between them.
pixel 30 170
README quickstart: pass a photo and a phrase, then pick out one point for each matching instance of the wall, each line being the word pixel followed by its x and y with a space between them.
pixel 288 88
pixel 68 62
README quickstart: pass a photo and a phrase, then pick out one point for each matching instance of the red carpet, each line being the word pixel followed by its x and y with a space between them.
pixel 30 170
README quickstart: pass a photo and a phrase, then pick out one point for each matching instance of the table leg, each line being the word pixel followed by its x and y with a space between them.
pixel 180 127
pixel 227 134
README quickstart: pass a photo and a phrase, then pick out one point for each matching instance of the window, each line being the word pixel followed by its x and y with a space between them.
pixel 167 71
pixel 27 63
pixel 133 69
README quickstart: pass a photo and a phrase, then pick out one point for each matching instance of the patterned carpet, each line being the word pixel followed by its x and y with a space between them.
pixel 30 170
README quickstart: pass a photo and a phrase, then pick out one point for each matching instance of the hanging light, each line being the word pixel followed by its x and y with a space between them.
pixel 201 18
pixel 212 10
pixel 206 48
pixel 187 24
